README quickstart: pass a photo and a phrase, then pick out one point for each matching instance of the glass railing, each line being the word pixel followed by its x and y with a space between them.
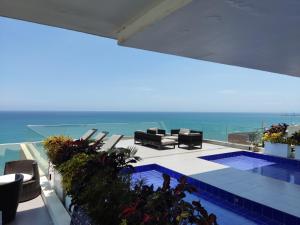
pixel 38 153
pixel 76 130
pixel 8 152
pixel 213 131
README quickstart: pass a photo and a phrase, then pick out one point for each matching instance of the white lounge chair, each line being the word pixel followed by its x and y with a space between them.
pixel 98 139
pixel 111 143
pixel 87 135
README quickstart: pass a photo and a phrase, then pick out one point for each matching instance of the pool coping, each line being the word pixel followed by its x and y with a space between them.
pixel 277 159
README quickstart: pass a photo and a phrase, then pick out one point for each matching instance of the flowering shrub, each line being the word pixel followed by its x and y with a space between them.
pixel 295 138
pixel 165 206
pixel 276 134
pixel 279 128
pixel 274 137
pixel 60 149
pixel 95 183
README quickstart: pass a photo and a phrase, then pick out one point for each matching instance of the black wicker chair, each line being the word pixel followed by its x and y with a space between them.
pixel 9 198
pixel 193 139
pixel 175 131
pixel 138 137
pixel 156 131
pixel 32 187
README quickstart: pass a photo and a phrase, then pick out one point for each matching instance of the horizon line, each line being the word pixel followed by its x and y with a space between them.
pixel 144 111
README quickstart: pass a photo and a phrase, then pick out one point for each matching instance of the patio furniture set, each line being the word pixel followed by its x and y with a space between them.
pixel 160 139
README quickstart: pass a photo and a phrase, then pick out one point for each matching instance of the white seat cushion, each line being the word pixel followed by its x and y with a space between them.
pixel 184 131
pixel 11 177
pixel 27 177
pixel 153 128
pixel 175 138
pixel 166 141
pixel 7 178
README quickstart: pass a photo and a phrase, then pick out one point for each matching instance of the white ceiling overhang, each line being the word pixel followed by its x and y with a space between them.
pixel 255 34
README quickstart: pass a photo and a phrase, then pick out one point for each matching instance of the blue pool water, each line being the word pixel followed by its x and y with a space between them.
pixel 279 168
pixel 14 125
pixel 226 215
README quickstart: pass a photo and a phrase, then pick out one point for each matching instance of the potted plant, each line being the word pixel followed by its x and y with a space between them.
pixel 295 140
pixel 276 142
pixel 60 149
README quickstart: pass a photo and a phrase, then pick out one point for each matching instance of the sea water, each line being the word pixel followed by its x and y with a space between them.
pixel 35 126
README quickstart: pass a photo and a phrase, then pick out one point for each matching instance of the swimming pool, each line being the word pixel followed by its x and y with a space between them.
pixel 229 209
pixel 8 152
pixel 271 166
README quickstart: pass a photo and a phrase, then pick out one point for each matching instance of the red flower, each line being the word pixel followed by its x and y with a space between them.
pixel 128 211
pixel 146 218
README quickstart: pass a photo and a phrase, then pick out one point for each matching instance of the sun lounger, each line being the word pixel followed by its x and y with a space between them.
pixel 98 141
pixel 87 135
pixel 111 143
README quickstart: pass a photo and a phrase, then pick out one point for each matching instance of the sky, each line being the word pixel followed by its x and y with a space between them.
pixel 47 68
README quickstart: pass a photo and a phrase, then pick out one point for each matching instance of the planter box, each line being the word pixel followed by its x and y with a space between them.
pixel 79 217
pixel 55 181
pixel 297 152
pixel 277 149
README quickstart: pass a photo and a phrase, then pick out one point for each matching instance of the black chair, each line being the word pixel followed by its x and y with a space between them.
pixel 175 131
pixel 156 131
pixel 138 137
pixel 9 198
pixel 193 139
pixel 32 187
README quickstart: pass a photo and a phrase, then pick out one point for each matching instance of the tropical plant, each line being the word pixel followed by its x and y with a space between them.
pixel 165 206
pixel 275 138
pixel 57 148
pixel 61 148
pixel 295 138
pixel 276 134
pixel 278 128
pixel 100 183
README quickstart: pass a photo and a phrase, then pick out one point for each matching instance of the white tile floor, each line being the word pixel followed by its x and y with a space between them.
pixel 267 191
pixel 33 212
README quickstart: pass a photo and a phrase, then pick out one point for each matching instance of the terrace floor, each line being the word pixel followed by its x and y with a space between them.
pixel 277 194
pixel 32 212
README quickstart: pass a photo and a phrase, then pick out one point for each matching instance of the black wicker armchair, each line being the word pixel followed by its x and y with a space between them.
pixel 156 131
pixel 32 187
pixel 192 139
pixel 9 198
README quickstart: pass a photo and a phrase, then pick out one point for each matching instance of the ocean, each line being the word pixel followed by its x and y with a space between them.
pixel 18 127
